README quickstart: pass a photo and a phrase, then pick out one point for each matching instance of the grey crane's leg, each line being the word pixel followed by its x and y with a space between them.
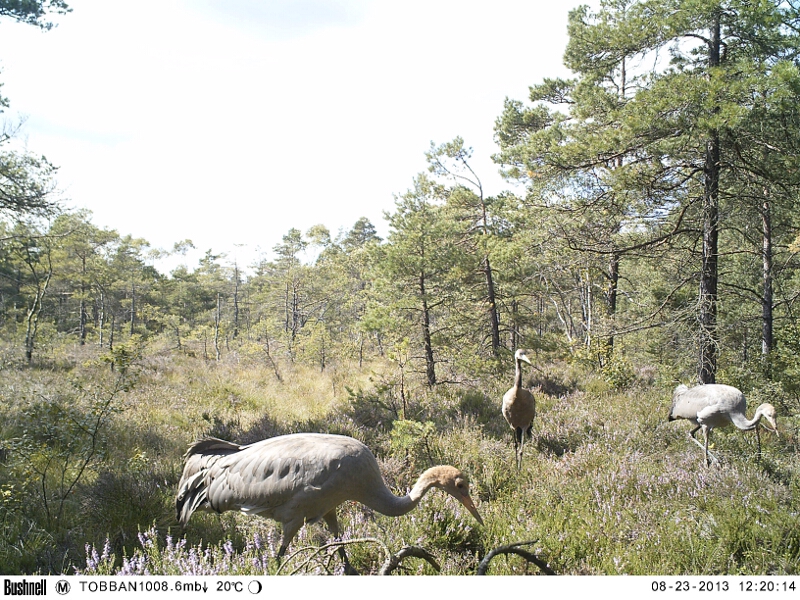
pixel 333 525
pixel 290 530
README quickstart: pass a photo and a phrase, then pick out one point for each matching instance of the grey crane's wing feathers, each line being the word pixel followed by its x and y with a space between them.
pixel 285 472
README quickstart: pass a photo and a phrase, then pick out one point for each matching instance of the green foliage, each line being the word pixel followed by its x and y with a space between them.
pixel 618 372
pixel 125 355
pixel 377 407
pixel 60 439
pixel 412 439
pixel 786 362
pixel 33 12
pixel 26 183
pixel 24 543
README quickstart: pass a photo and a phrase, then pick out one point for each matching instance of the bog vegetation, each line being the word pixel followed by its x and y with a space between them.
pixel 652 240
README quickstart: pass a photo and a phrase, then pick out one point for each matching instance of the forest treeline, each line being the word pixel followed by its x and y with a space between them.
pixel 656 224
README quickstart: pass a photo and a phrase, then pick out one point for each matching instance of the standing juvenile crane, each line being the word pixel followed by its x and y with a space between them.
pixel 519 407
pixel 300 478
pixel 715 405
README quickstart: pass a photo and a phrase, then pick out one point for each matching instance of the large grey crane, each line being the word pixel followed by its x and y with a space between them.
pixel 300 478
pixel 715 405
pixel 519 407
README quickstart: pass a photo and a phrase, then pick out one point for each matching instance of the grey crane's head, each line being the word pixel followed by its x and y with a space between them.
pixel 767 412
pixel 454 482
pixel 522 355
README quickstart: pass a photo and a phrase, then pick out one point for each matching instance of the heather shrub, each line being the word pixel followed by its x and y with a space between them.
pixel 607 485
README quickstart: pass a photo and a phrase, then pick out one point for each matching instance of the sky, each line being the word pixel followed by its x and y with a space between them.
pixel 229 122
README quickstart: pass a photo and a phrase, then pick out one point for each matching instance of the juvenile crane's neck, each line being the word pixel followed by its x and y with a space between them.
pixel 741 421
pixel 518 373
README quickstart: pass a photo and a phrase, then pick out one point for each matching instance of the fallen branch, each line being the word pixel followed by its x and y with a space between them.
pixel 390 564
pixel 394 560
pixel 514 549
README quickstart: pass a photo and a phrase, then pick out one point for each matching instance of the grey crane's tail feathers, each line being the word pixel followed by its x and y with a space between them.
pixel 201 455
pixel 211 445
pixel 192 493
pixel 191 497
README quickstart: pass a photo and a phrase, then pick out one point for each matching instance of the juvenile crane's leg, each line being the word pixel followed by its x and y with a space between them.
pixel 694 439
pixel 518 442
pixel 758 440
pixel 709 455
pixel 529 433
pixel 703 446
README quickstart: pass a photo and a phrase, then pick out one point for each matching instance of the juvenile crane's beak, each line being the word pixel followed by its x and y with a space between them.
pixel 774 428
pixel 467 501
pixel 769 417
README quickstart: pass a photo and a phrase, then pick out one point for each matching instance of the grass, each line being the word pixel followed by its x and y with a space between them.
pixel 607 485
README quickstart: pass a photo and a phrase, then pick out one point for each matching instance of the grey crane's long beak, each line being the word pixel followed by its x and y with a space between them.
pixel 467 502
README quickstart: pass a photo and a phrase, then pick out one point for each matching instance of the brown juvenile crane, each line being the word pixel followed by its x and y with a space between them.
pixel 519 407
pixel 300 478
pixel 715 405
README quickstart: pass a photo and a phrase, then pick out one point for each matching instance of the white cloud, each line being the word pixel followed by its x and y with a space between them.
pixel 231 122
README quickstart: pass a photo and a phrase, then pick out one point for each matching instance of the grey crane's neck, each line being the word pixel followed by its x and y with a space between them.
pixel 385 502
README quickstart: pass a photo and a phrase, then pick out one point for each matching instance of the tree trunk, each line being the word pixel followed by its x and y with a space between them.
pixel 587 308
pixel 766 300
pixel 707 301
pixel 31 327
pixel 111 335
pixel 82 306
pixel 217 319
pixel 494 319
pixel 514 324
pixel 101 316
pixel 286 310
pixel 35 309
pixel 235 301
pixel 82 320
pixel 272 360
pixel 611 301
pixel 133 307
pixel 430 365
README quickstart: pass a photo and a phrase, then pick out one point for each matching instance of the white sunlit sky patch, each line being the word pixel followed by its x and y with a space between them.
pixel 228 122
